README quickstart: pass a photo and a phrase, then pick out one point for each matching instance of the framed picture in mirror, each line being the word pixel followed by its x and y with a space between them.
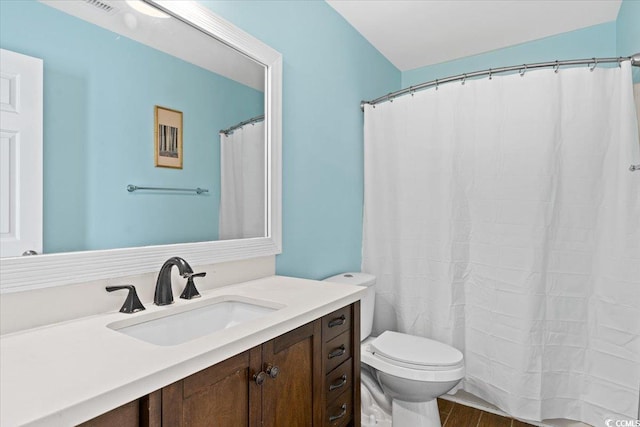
pixel 168 137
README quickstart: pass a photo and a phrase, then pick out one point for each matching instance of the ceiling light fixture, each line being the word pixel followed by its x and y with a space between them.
pixel 146 9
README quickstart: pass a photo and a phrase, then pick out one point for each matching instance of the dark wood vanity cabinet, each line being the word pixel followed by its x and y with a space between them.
pixel 222 395
pixel 293 396
pixel 309 376
pixel 341 367
pixel 269 385
pixel 125 415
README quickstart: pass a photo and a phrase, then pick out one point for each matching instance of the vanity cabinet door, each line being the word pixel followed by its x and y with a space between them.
pixel 292 396
pixel 126 415
pixel 223 395
pixel 289 381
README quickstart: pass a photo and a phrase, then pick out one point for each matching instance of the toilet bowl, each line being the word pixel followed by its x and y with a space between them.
pixel 411 371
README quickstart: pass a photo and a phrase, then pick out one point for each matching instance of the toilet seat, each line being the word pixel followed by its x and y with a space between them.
pixel 450 370
pixel 415 352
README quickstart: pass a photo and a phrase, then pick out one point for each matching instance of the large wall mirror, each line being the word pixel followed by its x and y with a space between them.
pixel 144 101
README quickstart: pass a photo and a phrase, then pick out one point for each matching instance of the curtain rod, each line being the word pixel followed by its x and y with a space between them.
pixel 251 121
pixel 522 68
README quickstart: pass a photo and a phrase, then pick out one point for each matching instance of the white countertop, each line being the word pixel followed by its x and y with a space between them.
pixel 68 373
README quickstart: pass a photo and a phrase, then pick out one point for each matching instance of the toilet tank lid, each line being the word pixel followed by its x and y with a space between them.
pixel 357 279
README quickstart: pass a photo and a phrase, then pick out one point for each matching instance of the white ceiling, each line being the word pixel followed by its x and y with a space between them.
pixel 416 33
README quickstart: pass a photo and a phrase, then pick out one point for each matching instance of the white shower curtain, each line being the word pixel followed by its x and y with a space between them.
pixel 242 183
pixel 501 217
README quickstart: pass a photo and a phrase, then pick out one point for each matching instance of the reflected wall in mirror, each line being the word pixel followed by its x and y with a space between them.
pixel 105 69
pixel 24 273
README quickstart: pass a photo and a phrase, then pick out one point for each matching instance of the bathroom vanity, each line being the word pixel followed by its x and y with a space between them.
pixel 296 365
pixel 302 377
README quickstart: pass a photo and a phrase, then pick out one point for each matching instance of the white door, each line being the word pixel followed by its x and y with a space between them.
pixel 20 154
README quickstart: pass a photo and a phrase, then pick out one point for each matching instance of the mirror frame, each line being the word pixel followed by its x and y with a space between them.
pixel 59 269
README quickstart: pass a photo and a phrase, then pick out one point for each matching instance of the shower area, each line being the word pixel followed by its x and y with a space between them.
pixel 502 217
pixel 243 153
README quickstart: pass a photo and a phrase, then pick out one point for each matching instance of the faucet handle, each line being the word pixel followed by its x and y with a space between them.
pixel 190 290
pixel 132 303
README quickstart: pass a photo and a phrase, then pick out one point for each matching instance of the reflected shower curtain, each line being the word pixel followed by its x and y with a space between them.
pixel 242 183
pixel 501 217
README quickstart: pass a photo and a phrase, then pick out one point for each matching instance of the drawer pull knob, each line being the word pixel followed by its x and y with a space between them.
pixel 338 321
pixel 333 418
pixel 260 377
pixel 273 371
pixel 341 383
pixel 337 352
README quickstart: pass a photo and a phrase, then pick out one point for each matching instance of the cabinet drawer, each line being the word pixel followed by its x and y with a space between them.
pixel 339 380
pixel 340 411
pixel 337 351
pixel 335 323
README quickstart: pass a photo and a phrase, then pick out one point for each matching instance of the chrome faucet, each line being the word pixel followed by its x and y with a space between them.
pixel 163 294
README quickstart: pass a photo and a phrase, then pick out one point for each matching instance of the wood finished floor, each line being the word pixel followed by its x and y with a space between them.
pixel 457 415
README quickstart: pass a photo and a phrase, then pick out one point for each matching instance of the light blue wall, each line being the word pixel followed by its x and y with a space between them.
pixel 100 90
pixel 598 41
pixel 328 69
pixel 628 32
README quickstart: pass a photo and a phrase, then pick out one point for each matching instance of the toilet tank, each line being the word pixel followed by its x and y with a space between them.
pixel 367 302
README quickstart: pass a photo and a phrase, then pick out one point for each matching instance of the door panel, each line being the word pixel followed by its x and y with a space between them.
pixel 125 416
pixel 20 154
pixel 223 395
pixel 293 397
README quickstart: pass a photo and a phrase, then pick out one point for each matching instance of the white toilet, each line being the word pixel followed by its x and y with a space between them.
pixel 412 371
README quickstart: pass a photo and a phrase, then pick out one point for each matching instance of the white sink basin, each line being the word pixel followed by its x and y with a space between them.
pixel 189 322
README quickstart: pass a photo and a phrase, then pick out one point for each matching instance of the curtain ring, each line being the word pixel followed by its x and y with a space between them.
pixel 595 64
pixel 412 90
pixel 436 84
pixel 390 97
pixel 464 78
pixel 619 62
pixel 556 68
pixel 490 74
pixel 523 70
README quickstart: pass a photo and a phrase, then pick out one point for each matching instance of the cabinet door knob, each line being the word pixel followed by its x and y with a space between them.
pixel 337 352
pixel 332 418
pixel 260 377
pixel 273 371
